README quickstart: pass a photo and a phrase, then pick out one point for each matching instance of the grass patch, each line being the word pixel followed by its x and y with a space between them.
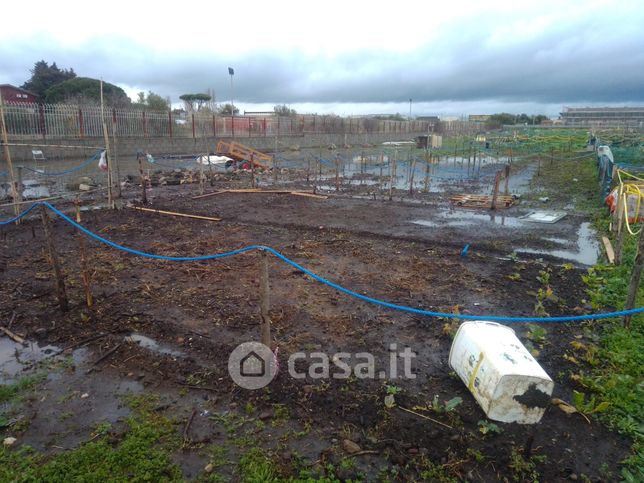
pixel 10 392
pixel 614 376
pixel 141 453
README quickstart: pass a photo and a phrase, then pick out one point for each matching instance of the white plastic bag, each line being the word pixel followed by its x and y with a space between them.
pixel 102 162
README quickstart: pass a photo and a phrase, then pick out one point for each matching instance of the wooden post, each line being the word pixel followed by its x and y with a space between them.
pixel 7 156
pixel 337 173
pixel 275 167
pixel 635 278
pixel 252 171
pixel 115 156
pixel 83 262
pixel 308 170
pixel 53 255
pixel 427 162
pixel 495 194
pixel 619 227
pixel 110 199
pixel 507 180
pixel 392 170
pixel 382 161
pixel 265 302
pixel 201 175
pixel 411 176
pixel 19 184
pixel 144 198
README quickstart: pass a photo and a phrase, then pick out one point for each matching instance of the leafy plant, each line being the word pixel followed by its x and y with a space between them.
pixel 486 427
pixel 590 406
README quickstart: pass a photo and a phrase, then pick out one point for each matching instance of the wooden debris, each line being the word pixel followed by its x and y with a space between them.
pixel 256 190
pixel 481 201
pixel 173 213
pixel 186 430
pixel 104 356
pixel 610 253
pixel 424 417
pixel 12 335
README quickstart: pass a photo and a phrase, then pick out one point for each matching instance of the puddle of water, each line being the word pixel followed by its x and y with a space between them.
pixel 153 345
pixel 587 251
pixel 15 357
pixel 465 218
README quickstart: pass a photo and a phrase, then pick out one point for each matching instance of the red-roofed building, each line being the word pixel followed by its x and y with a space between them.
pixel 17 95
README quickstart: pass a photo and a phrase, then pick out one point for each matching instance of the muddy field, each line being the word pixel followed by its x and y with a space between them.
pixel 167 328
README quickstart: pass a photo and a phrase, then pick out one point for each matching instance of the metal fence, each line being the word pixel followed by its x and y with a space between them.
pixel 58 121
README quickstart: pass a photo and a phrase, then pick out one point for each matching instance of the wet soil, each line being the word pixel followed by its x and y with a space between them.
pixel 176 324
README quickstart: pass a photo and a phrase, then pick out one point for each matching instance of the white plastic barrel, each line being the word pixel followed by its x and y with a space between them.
pixel 504 378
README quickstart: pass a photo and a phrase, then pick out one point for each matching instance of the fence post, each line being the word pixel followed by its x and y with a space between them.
pixel 193 125
pixel 86 277
pixel 145 125
pixel 81 126
pixel 249 127
pixel 41 117
pixel 53 256
pixel 635 278
pixel 214 126
pixel 170 123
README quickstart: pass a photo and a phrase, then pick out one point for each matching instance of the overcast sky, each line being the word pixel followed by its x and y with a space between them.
pixel 349 57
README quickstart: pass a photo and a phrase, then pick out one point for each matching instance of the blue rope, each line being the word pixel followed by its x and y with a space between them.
pixel 67 171
pixel 324 281
pixel 16 218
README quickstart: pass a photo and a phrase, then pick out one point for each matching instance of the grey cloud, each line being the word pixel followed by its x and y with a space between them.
pixel 585 60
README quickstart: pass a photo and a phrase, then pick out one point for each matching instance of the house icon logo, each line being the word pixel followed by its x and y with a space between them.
pixel 252 365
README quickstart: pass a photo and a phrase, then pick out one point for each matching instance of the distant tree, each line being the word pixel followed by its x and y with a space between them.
pixel 85 90
pixel 539 118
pixel 151 101
pixel 194 100
pixel 45 76
pixel 523 119
pixel 390 117
pixel 503 118
pixel 284 110
pixel 227 110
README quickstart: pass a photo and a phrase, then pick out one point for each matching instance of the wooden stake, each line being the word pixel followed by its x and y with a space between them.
pixel 427 162
pixel 143 181
pixel 265 302
pixel 7 154
pixel 83 262
pixel 635 278
pixel 411 176
pixel 337 173
pixel 380 179
pixel 53 255
pixel 110 198
pixel 201 175
pixel 507 180
pixel 392 163
pixel 252 171
pixel 619 227
pixel 495 194
pixel 172 213
pixel 308 170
